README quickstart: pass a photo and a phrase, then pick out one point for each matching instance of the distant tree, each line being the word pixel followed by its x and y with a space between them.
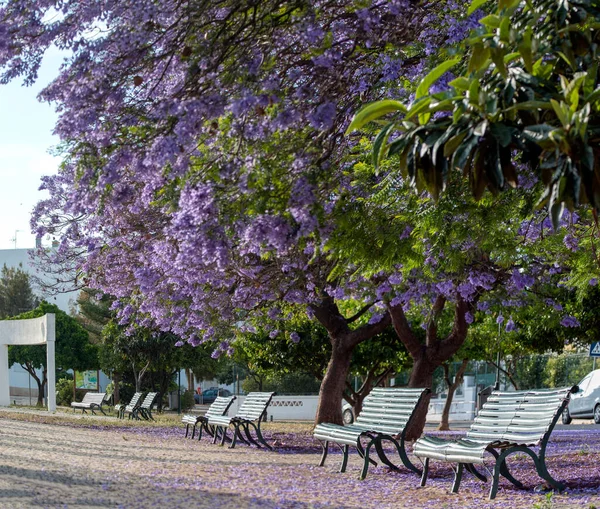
pixel 306 350
pixel 16 295
pixel 73 348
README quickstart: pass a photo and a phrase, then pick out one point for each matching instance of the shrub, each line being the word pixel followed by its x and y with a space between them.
pixel 64 392
pixel 187 400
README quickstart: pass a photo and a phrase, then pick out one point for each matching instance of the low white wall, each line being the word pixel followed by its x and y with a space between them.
pixel 283 408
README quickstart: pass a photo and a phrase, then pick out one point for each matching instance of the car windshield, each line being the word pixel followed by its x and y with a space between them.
pixel 584 383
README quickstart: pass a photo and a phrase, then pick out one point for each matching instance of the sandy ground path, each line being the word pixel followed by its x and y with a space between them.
pixel 67 465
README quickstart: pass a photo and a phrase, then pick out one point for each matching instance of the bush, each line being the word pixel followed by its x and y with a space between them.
pixel 187 400
pixel 64 392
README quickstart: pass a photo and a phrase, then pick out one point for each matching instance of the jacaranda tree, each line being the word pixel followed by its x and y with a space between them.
pixel 206 178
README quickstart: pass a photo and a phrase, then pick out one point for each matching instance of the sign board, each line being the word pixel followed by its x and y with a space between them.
pixel 88 380
pixel 595 349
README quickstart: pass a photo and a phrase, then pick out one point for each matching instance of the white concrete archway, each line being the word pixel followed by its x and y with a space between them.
pixel 33 331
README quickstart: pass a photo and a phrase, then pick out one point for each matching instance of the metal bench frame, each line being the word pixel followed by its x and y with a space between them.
pixel 250 414
pixel 144 410
pixel 386 415
pixel 498 428
pixel 90 401
pixel 219 407
pixel 121 408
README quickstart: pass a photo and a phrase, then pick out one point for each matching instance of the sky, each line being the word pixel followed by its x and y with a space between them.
pixel 25 139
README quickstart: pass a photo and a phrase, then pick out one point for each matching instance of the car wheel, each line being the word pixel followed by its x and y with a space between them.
pixel 348 416
pixel 566 417
pixel 597 414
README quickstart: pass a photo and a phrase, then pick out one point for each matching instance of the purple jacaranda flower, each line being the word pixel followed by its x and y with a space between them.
pixel 510 325
pixel 571 242
pixel 569 321
pixel 295 337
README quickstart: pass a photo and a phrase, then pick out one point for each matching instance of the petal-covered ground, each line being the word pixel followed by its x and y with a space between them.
pixel 49 462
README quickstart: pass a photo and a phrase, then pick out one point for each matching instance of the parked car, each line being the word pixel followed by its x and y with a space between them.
pixel 347 413
pixel 585 403
pixel 209 395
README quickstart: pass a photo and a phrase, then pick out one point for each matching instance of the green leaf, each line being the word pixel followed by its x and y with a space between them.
pixel 502 133
pixel 373 111
pixel 531 105
pixel 418 107
pixel 481 128
pixel 463 152
pixel 559 109
pixel 475 4
pixel 491 21
pixel 433 76
pixel 505 29
pixel 479 57
pixel 380 143
pixel 460 83
pixel 453 143
pixel 525 49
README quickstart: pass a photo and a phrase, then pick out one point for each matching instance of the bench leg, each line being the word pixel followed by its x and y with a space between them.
pixel 361 452
pixel 425 472
pixel 224 435
pixel 345 458
pixel 325 446
pixel 471 469
pixel 403 456
pixel 365 468
pixel 187 428
pixel 384 459
pixel 261 438
pixel 457 477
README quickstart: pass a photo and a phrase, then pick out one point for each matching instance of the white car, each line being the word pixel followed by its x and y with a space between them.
pixel 585 403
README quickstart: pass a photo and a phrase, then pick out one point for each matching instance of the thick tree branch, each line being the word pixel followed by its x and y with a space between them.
pixel 404 331
pixel 436 311
pixel 369 330
pixel 361 312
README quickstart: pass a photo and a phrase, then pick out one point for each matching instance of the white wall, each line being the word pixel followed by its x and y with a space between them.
pixel 283 408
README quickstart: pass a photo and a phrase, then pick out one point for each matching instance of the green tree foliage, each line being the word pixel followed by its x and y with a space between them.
pixel 148 358
pixel 526 85
pixel 16 295
pixel 73 348
pixel 302 354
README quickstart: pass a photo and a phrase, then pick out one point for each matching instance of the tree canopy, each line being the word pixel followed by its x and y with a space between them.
pixel 524 104
pixel 208 186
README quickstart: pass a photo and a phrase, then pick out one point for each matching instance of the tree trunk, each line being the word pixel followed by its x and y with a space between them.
pixel 31 370
pixel 421 376
pixel 333 385
pixel 116 384
pixel 458 380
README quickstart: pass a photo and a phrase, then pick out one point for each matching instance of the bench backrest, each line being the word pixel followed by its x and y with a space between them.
pixel 254 405
pixel 96 398
pixel 149 400
pixel 220 406
pixel 135 400
pixel 389 410
pixel 521 417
